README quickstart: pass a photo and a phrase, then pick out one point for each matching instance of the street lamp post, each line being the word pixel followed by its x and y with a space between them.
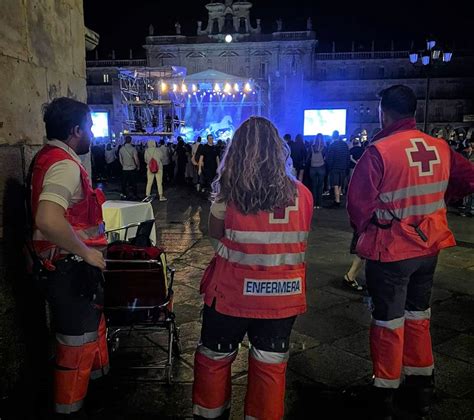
pixel 429 58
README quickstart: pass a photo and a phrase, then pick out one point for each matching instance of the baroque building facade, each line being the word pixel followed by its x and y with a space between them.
pixel 293 74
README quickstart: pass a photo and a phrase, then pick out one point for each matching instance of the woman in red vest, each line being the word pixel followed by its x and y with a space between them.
pixel 255 284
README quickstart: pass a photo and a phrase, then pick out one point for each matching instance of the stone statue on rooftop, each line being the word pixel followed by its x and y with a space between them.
pixel 309 24
pixel 178 28
pixel 151 30
pixel 279 24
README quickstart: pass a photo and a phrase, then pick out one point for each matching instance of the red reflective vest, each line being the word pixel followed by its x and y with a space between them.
pixel 410 220
pixel 85 217
pixel 259 267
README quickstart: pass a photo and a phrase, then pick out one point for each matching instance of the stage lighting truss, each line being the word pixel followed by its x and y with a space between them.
pixel 153 99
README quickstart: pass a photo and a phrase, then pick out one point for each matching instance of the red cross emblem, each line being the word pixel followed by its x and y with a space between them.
pixel 423 157
pixel 282 215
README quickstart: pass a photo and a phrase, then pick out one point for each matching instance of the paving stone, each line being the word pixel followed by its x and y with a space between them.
pixel 357 344
pixel 455 313
pixel 186 294
pixel 438 294
pixel 453 376
pixel 460 347
pixel 329 365
pixel 324 328
pixel 355 311
pixel 319 299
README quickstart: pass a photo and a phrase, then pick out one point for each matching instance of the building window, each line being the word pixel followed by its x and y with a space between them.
pixel 381 72
pixel 322 74
pixel 263 70
pixel 362 73
pixel 401 73
pixel 215 26
pixel 106 78
pixel 242 26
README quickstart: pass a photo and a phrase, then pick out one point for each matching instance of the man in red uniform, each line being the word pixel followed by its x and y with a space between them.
pixel 396 203
pixel 67 240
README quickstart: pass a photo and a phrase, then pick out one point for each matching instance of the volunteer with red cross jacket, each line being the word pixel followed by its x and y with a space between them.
pixel 256 282
pixel 67 240
pixel 396 203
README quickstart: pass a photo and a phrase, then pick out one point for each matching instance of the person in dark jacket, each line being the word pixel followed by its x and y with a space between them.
pixel 337 160
pixel 298 155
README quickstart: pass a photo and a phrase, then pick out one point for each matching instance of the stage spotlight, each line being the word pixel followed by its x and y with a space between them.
pixel 175 87
pixel 236 87
pixel 248 88
pixel 228 38
pixel 194 88
pixel 227 88
pixel 184 88
pixel 217 88
pixel 164 87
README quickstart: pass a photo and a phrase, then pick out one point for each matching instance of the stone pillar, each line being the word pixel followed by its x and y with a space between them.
pixel 42 56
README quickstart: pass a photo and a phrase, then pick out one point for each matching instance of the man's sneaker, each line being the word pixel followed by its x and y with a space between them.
pixel 163 199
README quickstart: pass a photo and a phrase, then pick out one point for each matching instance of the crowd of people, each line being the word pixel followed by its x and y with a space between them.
pixel 325 166
pixel 164 162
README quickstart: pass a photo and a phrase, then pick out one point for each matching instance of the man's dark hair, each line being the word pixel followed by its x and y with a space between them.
pixel 209 135
pixel 335 135
pixel 287 137
pixel 128 139
pixel 198 140
pixel 62 115
pixel 399 100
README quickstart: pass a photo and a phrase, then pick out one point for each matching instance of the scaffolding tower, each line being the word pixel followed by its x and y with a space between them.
pixel 153 99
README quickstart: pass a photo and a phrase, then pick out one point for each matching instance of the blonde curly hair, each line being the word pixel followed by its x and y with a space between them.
pixel 255 172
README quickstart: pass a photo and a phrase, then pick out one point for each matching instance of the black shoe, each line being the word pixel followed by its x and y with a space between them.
pixel 381 403
pixel 418 391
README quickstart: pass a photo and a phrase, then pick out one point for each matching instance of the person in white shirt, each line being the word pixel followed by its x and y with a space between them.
pixel 153 152
pixel 130 165
pixel 110 159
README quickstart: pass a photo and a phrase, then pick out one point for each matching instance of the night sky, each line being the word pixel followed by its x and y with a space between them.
pixel 124 25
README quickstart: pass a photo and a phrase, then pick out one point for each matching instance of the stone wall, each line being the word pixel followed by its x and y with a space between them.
pixel 42 56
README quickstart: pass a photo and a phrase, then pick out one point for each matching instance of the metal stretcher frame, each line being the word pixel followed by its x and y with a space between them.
pixel 157 317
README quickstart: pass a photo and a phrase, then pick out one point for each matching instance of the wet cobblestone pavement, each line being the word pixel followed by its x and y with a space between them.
pixel 329 344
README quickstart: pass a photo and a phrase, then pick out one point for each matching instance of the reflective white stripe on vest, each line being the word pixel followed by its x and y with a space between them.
pixel 393 324
pixel 414 191
pixel 418 210
pixel 250 418
pixel 77 340
pixel 268 260
pixel 386 383
pixel 253 237
pixel 418 315
pixel 422 371
pixel 215 355
pixel 273 287
pixel 68 408
pixel 270 357
pixel 210 413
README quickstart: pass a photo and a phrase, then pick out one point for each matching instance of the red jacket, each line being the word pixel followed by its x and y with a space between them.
pixel 409 174
pixel 85 217
pixel 259 267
